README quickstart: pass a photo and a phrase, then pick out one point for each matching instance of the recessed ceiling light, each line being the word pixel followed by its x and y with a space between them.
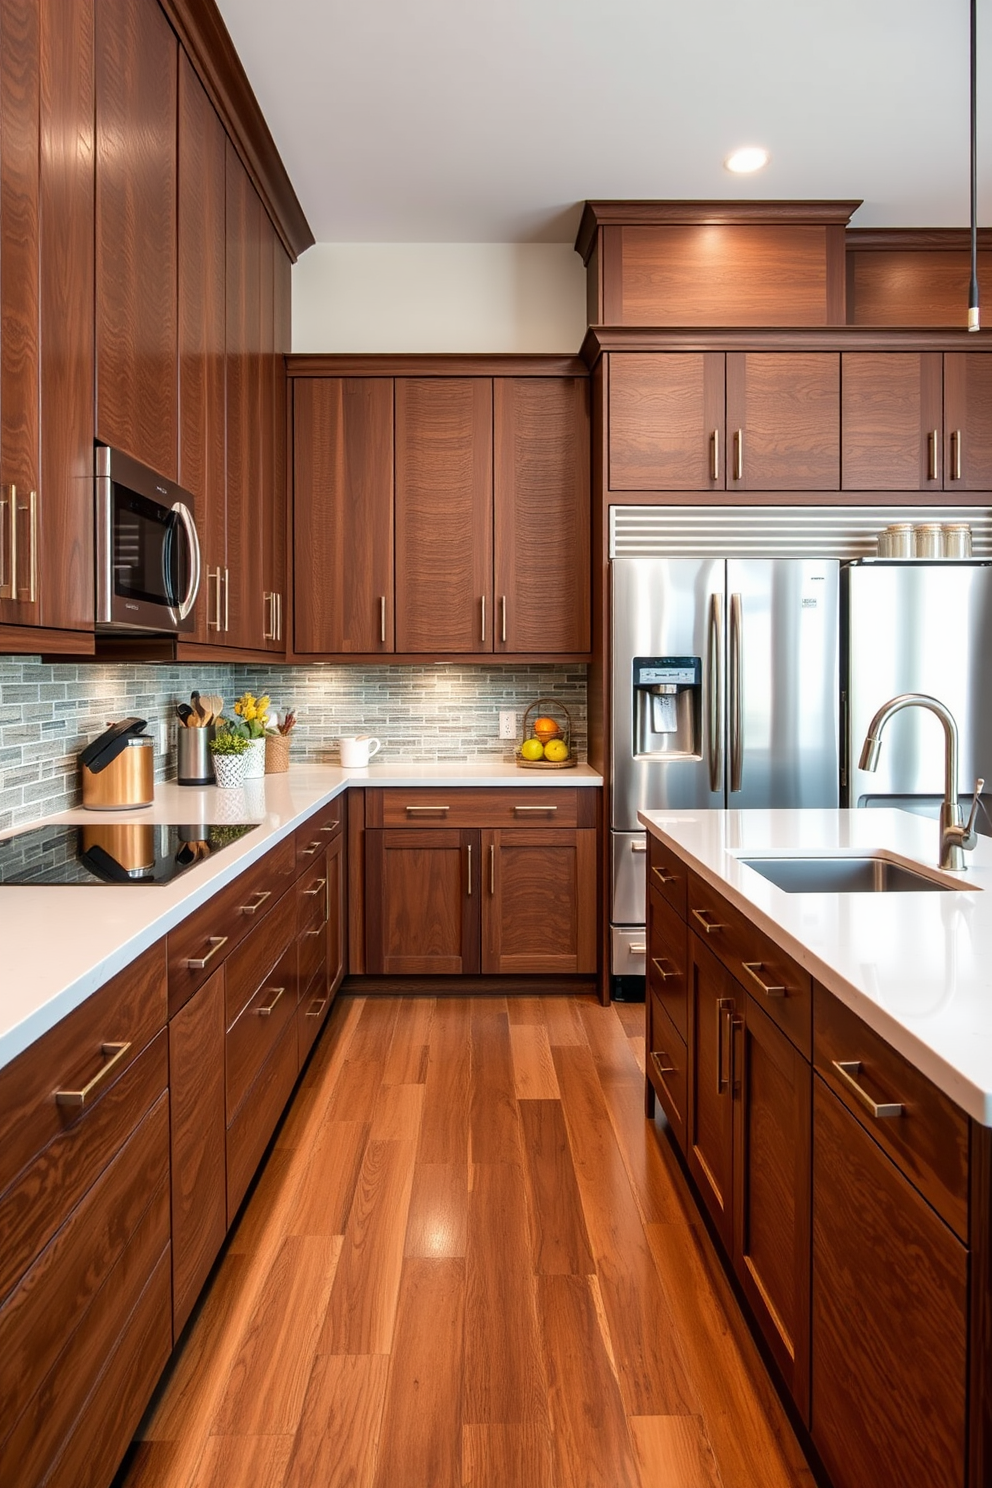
pixel 750 158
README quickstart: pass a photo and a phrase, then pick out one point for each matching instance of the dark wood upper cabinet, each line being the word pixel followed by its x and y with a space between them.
pixel 243 609
pixel 541 524
pixel 444 514
pixel 783 421
pixel 967 421
pixel 343 514
pixel 137 58
pixel 891 421
pixel 202 331
pixel 666 421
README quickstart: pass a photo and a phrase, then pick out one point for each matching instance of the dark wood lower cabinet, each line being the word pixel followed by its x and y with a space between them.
pixel 890 1294
pixel 423 901
pixel 539 901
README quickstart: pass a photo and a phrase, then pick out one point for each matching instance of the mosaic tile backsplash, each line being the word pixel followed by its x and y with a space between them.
pixel 48 712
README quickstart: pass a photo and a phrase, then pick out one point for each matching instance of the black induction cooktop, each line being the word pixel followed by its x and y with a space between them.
pixel 112 852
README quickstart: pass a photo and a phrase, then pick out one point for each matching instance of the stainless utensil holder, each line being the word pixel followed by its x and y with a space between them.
pixel 195 764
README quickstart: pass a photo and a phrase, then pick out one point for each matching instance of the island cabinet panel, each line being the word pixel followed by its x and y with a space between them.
pixel 714 1003
pixel 542 527
pixel 666 964
pixel 196 1091
pixel 891 421
pixel 343 514
pixel 783 421
pixel 423 901
pixel 444 514
pixel 967 421
pixel 539 901
pixel 137 58
pixel 772 1191
pixel 202 227
pixel 666 421
pixel 890 1288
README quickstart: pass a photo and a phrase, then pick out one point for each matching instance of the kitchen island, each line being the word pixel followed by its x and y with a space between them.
pixel 823 1062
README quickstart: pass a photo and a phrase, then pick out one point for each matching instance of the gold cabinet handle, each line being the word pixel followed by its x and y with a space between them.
pixel 312 893
pixel 426 810
pixel 32 511
pixel 215 574
pixel 666 976
pixel 309 934
pixel 279 617
pixel 932 441
pixel 265 1012
pixel 5 586
pixel 316 1007
pixel 270 600
pixel 382 618
pixel 663 877
pixel 502 605
pixel 492 867
pixel 738 454
pixel 227 599
pixel 657 1056
pixel 331 826
pixel 470 870
pixel 847 1069
pixel 708 925
pixel 724 1015
pixel 482 636
pixel 310 849
pixel 80 1097
pixel 9 590
pixel 715 449
pixel 257 902
pixel 752 968
pixel 956 454
pixel 544 810
pixel 197 963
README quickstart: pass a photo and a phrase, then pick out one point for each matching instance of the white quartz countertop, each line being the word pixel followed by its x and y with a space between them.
pixel 61 944
pixel 917 967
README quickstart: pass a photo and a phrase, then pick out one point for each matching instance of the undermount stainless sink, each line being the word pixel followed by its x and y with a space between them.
pixel 829 875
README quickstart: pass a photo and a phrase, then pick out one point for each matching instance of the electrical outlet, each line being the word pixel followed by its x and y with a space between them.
pixel 507 725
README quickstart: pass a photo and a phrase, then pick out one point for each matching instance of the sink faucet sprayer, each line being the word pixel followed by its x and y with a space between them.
pixel 955 838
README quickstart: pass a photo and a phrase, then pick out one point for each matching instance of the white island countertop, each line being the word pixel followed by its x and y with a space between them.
pixel 61 944
pixel 917 967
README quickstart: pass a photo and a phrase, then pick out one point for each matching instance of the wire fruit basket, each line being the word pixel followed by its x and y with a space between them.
pixel 552 723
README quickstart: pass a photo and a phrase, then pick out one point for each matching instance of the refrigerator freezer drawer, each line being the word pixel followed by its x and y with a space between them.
pixel 629 950
pixel 630 862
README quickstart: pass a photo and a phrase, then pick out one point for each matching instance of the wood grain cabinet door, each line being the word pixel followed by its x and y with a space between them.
pixel 539 898
pixel 783 421
pixel 243 611
pixel 967 421
pixel 666 421
pixel 890 1286
pixel 891 421
pixel 343 514
pixel 137 59
pixel 772 1158
pixel 542 573
pixel 714 998
pixel 423 900
pixel 444 514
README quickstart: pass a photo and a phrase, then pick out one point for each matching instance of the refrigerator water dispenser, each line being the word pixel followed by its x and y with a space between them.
pixel 667 695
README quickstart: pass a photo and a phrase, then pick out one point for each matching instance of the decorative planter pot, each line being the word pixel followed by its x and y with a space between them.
pixel 229 770
pixel 276 754
pixel 254 757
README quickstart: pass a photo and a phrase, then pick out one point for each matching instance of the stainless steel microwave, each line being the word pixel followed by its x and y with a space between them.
pixel 147 550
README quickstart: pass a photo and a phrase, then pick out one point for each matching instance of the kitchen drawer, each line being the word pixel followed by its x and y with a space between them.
pixel 668 874
pixel 781 988
pixel 461 807
pixel 311 895
pixel 258 1028
pixel 312 1012
pixel 249 1132
pixel 199 945
pixel 668 1067
pixel 927 1137
pixel 129 1009
pixel 318 831
pixel 312 953
pixel 666 959
pixel 74 1295
pixel 252 961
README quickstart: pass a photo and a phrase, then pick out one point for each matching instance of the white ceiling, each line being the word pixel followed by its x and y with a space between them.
pixel 491 120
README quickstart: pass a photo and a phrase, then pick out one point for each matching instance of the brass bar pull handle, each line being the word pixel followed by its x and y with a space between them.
pixel 502 605
pixel 278 617
pixel 666 976
pixel 197 963
pixel 216 623
pixel 264 1012
pixel 738 454
pixel 13 543
pixel 847 1069
pixel 382 618
pixel 256 903
pixel 4 544
pixel 309 934
pixel 312 893
pixel 32 510
pixel 657 1059
pixel 715 450
pixel 482 636
pixel 116 1053
pixel 932 439
pixel 308 851
pixel 469 849
pixel 331 826
pixel 316 1007
pixel 724 1009
pixel 426 810
pixel 956 454
pixel 752 968
pixel 736 1027
pixel 227 599
pixel 270 633
pixel 708 925
pixel 662 876
pixel 541 810
pixel 492 868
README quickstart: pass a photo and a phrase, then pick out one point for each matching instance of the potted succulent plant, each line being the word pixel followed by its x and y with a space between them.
pixel 249 723
pixel 277 743
pixel 229 752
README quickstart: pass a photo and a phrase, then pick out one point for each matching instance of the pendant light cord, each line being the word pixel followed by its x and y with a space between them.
pixel 974 314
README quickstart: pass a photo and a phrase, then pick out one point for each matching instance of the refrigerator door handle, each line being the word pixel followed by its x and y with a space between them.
pixel 715 692
pixel 736 687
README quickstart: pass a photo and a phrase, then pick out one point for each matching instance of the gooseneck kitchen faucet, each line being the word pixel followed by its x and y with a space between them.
pixel 955 838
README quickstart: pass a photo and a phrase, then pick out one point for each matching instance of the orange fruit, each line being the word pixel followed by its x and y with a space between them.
pixel 545 729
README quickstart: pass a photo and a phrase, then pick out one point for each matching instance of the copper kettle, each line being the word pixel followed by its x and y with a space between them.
pixel 118 768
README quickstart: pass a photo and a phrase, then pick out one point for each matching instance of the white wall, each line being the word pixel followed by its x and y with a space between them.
pixel 486 297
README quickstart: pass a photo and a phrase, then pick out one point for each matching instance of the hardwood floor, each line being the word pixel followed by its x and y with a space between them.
pixel 469 1263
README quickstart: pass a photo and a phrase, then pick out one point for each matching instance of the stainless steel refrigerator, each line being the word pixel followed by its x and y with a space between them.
pixel 725 694
pixel 917 627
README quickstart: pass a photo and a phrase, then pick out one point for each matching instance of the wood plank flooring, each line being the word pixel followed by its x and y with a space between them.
pixel 469 1263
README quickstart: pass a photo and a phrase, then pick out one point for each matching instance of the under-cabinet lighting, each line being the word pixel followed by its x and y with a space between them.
pixel 749 158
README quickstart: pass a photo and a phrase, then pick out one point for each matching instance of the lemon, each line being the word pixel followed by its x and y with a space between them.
pixel 556 749
pixel 532 749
